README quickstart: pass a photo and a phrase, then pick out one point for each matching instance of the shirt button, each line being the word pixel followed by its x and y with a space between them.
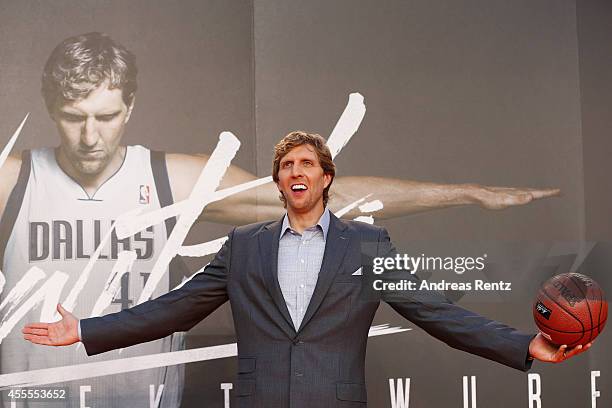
pixel 301 260
pixel 302 286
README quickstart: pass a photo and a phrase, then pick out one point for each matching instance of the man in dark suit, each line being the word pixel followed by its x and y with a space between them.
pixel 300 312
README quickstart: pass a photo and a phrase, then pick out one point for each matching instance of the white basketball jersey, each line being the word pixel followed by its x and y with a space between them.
pixel 57 229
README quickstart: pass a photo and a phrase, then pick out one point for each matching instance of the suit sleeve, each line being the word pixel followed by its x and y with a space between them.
pixel 177 310
pixel 454 325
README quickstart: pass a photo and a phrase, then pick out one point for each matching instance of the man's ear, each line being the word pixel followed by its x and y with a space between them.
pixel 328 179
pixel 130 108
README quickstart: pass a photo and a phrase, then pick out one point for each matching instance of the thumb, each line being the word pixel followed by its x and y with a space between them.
pixel 63 312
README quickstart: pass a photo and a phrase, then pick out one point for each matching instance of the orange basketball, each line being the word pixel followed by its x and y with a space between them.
pixel 570 309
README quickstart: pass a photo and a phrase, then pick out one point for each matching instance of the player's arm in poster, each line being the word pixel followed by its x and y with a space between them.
pixel 398 197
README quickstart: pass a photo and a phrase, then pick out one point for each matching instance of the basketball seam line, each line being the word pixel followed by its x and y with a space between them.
pixel 571 277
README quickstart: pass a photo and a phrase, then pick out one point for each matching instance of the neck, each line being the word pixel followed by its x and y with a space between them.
pixel 90 182
pixel 300 221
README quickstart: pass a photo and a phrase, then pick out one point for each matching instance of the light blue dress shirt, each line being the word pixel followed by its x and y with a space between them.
pixel 299 262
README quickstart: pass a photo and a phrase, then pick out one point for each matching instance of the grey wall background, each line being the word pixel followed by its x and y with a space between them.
pixel 595 37
pixel 494 92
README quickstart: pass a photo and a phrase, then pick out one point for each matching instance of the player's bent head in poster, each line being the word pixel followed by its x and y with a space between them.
pixel 89 85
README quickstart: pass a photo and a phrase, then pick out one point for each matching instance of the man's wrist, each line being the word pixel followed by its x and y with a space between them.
pixel 468 193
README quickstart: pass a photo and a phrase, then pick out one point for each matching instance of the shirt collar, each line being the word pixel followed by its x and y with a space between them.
pixel 323 223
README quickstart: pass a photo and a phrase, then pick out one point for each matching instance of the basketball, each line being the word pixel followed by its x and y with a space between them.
pixel 570 309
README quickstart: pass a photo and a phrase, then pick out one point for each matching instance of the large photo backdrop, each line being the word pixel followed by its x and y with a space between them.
pixel 485 93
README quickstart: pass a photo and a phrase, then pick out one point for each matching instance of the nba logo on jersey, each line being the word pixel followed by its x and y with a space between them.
pixel 144 194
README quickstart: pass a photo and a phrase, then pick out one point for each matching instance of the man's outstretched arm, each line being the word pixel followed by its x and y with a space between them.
pixel 465 330
pixel 177 310
pixel 399 197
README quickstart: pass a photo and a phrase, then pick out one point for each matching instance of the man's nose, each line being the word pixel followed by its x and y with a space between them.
pixel 89 133
pixel 297 170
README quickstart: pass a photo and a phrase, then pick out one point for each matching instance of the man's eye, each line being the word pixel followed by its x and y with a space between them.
pixel 106 118
pixel 72 118
pixel 286 165
pixel 307 164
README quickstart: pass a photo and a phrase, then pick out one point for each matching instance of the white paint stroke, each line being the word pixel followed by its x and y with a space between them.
pixel 123 365
pixel 343 211
pixel 155 398
pixel 200 196
pixel 22 289
pixel 371 206
pixel 130 364
pixel 70 302
pixel 185 280
pixel 203 249
pixel 9 146
pixel 368 219
pixel 383 329
pixel 347 125
pixel 123 265
pixel 2 281
pixel 50 291
pixel 132 222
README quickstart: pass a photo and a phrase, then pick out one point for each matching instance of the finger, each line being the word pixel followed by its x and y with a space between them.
pixel 518 199
pixel 39 332
pixel 38 339
pixel 545 193
pixel 61 310
pixel 574 351
pixel 36 325
pixel 560 353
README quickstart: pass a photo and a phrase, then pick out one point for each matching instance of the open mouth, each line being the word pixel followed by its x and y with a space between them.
pixel 299 187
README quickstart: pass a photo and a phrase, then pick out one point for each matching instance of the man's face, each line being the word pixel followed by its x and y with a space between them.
pixel 301 180
pixel 91 129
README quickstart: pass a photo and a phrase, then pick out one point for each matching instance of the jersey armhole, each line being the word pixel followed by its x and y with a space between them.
pixel 177 268
pixel 14 202
pixel 162 185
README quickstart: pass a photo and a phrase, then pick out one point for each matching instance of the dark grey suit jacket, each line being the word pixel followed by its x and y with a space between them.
pixel 321 364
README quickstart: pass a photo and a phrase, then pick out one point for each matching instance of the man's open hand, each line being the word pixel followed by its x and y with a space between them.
pixel 61 333
pixel 542 349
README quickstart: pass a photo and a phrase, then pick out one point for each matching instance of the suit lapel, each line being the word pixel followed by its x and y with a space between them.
pixel 336 245
pixel 268 243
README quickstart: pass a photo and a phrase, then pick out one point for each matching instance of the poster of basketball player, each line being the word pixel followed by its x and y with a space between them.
pixel 453 130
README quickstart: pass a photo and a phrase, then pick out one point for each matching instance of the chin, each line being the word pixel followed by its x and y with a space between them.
pixel 90 168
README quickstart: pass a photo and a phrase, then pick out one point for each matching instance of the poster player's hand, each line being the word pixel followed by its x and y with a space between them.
pixel 61 333
pixel 498 198
pixel 542 349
